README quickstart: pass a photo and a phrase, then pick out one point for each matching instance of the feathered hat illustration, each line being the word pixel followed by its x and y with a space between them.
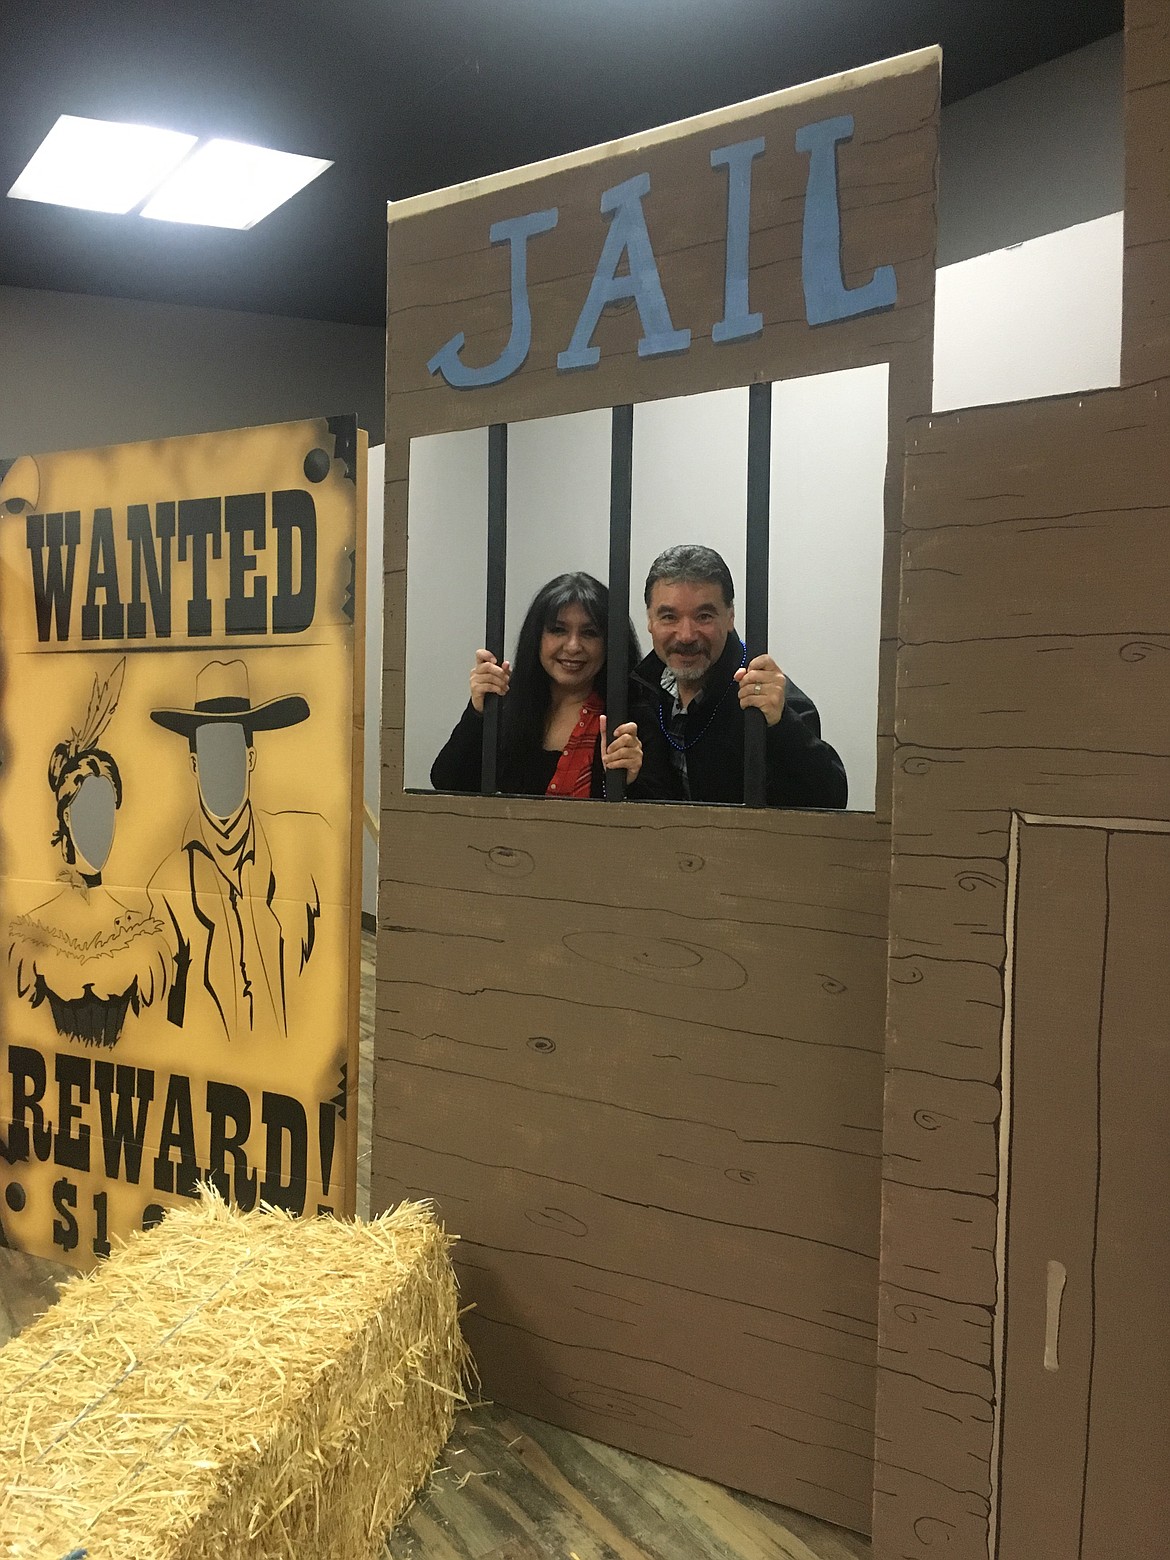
pixel 74 761
pixel 83 740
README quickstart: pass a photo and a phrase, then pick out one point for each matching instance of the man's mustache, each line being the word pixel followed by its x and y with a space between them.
pixel 686 647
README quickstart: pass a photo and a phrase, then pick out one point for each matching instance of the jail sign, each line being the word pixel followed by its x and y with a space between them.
pixel 627 270
pixel 778 231
pixel 178 914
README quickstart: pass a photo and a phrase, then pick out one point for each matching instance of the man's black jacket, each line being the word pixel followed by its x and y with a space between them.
pixel 802 770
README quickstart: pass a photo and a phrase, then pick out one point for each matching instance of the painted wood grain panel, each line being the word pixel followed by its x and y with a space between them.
pixel 559 1217
pixel 938 1243
pixel 1041 463
pixel 944 1017
pixel 950 907
pixel 759 1348
pixel 957 1427
pixel 720 1174
pixel 667 1400
pixel 944 1343
pixel 1033 678
pixel 1015 693
pixel 800 1090
pixel 770 1377
pixel 941 1133
pixel 836 829
pixel 1127 1484
pixel 663 1414
pixel 948 574
pixel 688 869
pixel 953 792
pixel 729 975
pixel 921 1518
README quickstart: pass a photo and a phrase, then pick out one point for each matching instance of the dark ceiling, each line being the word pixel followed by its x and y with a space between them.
pixel 411 95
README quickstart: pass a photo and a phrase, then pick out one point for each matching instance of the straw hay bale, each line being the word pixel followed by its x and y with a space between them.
pixel 233 1385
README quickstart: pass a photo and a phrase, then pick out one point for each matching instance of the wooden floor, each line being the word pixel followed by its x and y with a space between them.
pixel 510 1488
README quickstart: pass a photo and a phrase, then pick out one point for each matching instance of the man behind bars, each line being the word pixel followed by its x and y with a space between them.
pixel 690 694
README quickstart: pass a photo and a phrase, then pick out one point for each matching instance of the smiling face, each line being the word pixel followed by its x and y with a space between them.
pixel 689 623
pixel 572 651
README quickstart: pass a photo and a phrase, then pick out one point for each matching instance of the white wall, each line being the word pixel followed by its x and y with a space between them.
pixel 447 567
pixel 1041 318
pixel 1036 154
pixel 829 438
pixel 558 508
pixel 77 371
pixel 689 482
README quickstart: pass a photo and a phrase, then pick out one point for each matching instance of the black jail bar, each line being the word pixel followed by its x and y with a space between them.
pixel 497 568
pixel 755 636
pixel 617 656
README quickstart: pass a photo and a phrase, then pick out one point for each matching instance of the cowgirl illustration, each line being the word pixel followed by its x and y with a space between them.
pixel 90 957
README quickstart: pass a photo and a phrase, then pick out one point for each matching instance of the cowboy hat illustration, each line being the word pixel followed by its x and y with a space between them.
pixel 222 695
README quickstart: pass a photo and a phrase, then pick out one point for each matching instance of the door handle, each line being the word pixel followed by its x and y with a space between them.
pixel 1057 1277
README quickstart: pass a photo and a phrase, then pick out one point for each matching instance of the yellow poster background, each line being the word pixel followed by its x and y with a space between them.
pixel 190 1010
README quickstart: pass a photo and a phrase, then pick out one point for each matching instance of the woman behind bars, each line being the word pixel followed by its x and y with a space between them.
pixel 553 737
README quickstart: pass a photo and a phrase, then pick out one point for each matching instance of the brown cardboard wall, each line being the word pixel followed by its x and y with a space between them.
pixel 1033 684
pixel 1023 1310
pixel 634 1051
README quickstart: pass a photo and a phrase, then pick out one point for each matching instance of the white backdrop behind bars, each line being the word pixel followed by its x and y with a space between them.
pixel 689 485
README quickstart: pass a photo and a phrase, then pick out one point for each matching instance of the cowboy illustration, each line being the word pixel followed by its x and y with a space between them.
pixel 240 895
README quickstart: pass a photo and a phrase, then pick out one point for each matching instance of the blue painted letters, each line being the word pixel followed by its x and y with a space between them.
pixel 737 322
pixel 826 296
pixel 515 232
pixel 627 235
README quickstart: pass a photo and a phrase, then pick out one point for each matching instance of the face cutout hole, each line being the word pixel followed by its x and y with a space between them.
pixel 222 765
pixel 90 820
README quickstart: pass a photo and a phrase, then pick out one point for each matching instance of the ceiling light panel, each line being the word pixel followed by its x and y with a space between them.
pixel 99 164
pixel 230 184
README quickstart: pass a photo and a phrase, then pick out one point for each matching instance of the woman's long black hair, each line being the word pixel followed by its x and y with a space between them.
pixel 526 708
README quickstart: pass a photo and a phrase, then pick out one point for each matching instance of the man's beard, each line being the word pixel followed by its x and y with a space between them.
pixel 694 673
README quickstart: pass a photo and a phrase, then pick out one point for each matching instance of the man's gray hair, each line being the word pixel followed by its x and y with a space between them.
pixel 689 564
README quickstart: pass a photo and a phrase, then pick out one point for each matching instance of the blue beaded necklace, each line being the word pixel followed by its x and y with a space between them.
pixel 685 747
